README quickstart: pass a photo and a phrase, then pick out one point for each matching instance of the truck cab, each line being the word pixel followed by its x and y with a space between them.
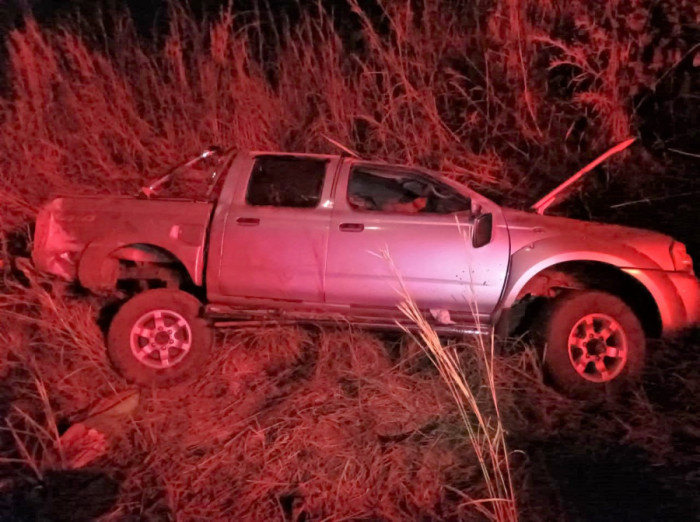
pixel 335 235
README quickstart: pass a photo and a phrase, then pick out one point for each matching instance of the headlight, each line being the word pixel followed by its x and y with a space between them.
pixel 682 262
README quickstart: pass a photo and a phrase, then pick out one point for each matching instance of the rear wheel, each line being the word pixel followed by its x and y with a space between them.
pixel 158 337
pixel 594 344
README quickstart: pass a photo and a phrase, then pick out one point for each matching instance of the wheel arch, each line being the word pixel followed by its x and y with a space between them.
pixel 546 280
pixel 100 264
pixel 145 252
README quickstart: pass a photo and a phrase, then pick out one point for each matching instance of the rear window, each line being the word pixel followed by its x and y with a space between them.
pixel 286 182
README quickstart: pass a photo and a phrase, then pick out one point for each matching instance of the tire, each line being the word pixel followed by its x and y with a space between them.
pixel 159 338
pixel 595 344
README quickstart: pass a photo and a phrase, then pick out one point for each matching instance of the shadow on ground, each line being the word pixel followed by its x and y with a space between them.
pixel 69 495
pixel 611 483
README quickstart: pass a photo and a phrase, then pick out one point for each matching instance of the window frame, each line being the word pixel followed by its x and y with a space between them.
pixel 397 171
pixel 323 162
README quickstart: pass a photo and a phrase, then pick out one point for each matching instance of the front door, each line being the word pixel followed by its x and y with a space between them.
pixel 391 223
pixel 276 232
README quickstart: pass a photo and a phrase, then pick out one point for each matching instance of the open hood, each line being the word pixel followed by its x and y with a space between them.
pixel 564 190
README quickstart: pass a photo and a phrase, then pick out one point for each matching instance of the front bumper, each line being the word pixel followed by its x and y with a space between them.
pixel 677 297
pixel 688 290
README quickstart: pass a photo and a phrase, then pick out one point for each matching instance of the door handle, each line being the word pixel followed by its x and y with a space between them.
pixel 351 227
pixel 248 222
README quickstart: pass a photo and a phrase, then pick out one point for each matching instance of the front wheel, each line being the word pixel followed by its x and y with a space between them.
pixel 594 344
pixel 159 338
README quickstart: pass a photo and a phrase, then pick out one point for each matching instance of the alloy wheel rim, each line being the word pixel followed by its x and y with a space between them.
pixel 597 347
pixel 160 339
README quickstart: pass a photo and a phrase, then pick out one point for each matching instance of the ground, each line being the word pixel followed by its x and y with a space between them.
pixel 312 424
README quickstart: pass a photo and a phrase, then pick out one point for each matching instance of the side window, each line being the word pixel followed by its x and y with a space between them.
pixel 387 190
pixel 281 181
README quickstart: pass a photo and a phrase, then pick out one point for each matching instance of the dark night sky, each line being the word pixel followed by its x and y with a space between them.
pixel 150 16
pixel 146 13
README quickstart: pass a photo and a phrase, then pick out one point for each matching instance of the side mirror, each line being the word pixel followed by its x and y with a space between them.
pixel 482 230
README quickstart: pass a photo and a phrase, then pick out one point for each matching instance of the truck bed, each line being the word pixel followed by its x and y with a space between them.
pixel 71 231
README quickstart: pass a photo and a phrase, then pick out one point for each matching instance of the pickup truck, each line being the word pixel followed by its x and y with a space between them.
pixel 279 237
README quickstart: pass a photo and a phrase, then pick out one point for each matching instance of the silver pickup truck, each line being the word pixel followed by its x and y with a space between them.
pixel 299 237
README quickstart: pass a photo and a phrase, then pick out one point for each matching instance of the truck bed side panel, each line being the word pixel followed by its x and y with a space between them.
pixel 77 231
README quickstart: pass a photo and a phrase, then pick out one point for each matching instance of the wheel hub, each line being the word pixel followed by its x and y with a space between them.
pixel 595 347
pixel 598 347
pixel 160 339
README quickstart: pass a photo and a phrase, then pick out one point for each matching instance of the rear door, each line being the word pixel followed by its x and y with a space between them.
pixel 390 222
pixel 275 232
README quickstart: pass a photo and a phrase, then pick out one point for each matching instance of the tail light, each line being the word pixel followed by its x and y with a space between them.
pixel 54 250
pixel 682 262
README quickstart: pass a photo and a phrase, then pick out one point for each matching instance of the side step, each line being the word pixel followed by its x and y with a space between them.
pixel 231 317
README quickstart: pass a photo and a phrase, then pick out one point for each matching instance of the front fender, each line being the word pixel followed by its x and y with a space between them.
pixel 677 296
pixel 532 259
pixel 537 256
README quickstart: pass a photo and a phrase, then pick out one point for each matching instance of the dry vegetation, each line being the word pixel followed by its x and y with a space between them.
pixel 495 94
pixel 314 424
pixel 292 424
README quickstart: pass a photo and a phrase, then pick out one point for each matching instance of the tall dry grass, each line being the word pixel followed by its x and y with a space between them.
pixel 480 413
pixel 482 419
pixel 491 92
pixel 294 424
